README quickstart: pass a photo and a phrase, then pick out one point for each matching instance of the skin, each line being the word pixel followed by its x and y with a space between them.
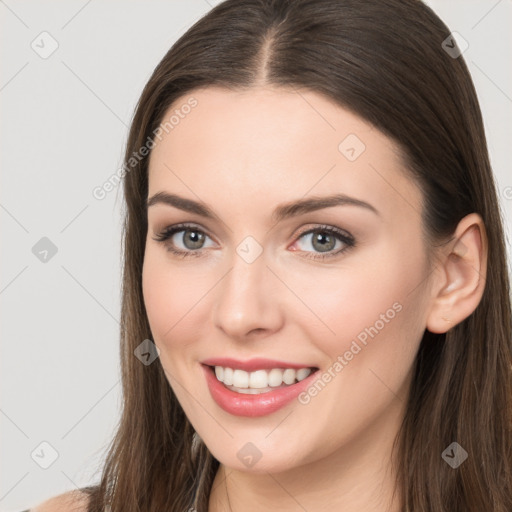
pixel 242 154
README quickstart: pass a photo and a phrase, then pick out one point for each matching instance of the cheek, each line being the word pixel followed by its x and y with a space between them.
pixel 157 292
pixel 375 313
pixel 174 299
pixel 373 301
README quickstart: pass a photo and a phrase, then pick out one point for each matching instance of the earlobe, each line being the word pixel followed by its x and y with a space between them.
pixel 462 267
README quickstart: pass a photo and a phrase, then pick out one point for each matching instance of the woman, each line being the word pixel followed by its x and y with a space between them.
pixel 316 309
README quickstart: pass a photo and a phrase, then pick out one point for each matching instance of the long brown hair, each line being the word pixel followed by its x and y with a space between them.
pixel 384 60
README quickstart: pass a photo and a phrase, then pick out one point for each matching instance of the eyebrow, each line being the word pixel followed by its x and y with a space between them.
pixel 281 212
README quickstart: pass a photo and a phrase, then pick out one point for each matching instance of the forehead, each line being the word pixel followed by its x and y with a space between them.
pixel 270 145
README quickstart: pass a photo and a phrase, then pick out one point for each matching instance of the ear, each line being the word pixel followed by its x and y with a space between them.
pixel 462 268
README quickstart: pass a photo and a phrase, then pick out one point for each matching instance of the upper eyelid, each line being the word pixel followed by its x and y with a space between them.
pixel 185 226
pixel 178 227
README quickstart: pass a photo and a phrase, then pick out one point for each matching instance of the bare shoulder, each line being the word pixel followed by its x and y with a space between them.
pixel 72 501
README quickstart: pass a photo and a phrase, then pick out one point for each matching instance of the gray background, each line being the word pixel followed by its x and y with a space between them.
pixel 63 130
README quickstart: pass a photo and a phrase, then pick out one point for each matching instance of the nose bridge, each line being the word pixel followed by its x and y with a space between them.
pixel 246 297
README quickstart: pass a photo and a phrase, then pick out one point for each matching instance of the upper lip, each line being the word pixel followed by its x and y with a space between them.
pixel 252 364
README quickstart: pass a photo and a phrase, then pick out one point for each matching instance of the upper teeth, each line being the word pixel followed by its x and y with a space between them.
pixel 260 378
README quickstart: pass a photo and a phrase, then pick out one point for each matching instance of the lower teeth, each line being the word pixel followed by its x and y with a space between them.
pixel 255 391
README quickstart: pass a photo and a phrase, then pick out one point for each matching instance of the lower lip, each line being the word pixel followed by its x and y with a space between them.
pixel 262 404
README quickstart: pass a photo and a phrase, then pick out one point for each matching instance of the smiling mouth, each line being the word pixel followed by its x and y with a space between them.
pixel 259 381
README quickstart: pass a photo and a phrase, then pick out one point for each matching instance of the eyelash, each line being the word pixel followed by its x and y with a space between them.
pixel 343 236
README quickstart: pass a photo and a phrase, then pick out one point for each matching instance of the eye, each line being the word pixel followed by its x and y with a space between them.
pixel 190 237
pixel 324 239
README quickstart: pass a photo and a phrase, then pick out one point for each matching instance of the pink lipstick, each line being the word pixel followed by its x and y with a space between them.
pixel 261 403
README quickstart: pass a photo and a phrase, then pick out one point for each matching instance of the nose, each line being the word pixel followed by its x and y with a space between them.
pixel 248 301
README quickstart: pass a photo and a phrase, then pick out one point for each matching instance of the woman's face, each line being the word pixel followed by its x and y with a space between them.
pixel 250 281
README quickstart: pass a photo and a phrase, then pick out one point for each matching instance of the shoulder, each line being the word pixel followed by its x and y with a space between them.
pixel 72 501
